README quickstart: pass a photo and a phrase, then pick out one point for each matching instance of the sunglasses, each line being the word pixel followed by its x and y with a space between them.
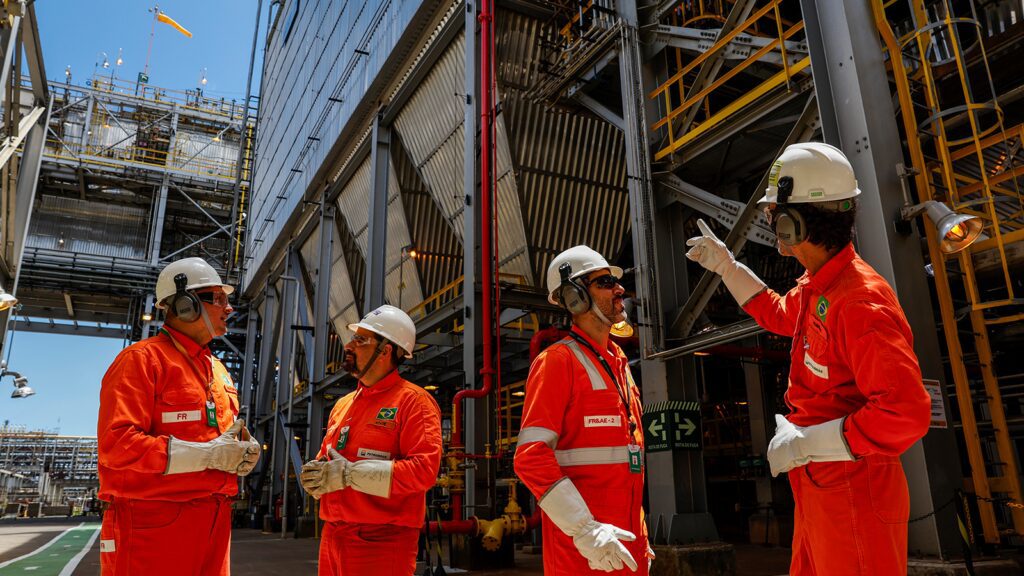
pixel 605 282
pixel 215 298
pixel 361 340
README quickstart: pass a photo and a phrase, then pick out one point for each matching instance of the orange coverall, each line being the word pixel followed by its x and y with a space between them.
pixel 852 356
pixel 575 425
pixel 160 524
pixel 392 420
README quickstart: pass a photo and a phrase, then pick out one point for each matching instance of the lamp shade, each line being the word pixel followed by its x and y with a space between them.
pixel 956 231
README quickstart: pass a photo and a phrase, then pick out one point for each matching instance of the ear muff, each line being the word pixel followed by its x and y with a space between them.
pixel 571 294
pixel 185 304
pixel 790 226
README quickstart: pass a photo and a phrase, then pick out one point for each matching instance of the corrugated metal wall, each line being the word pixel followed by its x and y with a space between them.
pixel 571 165
pixel 440 251
pixel 95 228
pixel 431 126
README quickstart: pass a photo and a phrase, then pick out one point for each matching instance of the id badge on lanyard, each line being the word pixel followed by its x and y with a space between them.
pixel 636 460
pixel 342 439
pixel 211 413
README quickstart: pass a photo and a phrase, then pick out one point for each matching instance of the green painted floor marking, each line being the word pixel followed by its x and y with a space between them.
pixel 51 558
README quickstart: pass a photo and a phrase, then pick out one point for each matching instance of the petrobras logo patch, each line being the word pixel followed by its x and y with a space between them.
pixel 184 416
pixel 602 421
pixel 371 454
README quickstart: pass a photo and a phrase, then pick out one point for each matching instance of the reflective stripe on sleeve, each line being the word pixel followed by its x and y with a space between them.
pixel 590 456
pixel 538 434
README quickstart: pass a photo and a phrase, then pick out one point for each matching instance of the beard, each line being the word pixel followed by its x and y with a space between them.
pixel 348 363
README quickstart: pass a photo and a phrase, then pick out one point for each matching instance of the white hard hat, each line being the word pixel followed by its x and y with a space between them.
pixel 583 260
pixel 820 173
pixel 391 323
pixel 198 272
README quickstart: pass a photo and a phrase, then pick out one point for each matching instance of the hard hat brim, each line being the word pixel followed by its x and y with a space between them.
pixel 353 327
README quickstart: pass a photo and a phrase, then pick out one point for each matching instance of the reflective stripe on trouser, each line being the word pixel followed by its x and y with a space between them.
pixel 850 518
pixel 159 538
pixel 368 550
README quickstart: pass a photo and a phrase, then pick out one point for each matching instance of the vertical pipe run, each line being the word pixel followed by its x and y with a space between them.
pixel 486 190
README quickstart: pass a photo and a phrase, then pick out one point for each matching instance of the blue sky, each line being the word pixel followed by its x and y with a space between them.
pixel 66 370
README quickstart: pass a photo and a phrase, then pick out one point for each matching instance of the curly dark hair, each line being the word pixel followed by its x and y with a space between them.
pixel 832 229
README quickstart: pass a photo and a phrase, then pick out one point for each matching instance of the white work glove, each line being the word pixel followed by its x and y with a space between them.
pixel 252 453
pixel 601 544
pixel 370 477
pixel 319 477
pixel 225 452
pixel 795 446
pixel 711 253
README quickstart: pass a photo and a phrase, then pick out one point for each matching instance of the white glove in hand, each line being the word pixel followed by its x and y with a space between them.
pixel 370 477
pixel 795 446
pixel 319 477
pixel 224 452
pixel 600 544
pixel 252 452
pixel 711 253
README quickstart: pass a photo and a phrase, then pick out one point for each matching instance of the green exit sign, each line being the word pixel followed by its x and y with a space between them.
pixel 672 425
pixel 143 78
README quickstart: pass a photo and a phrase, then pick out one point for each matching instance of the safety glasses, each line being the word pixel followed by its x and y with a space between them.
pixel 605 282
pixel 215 298
pixel 361 340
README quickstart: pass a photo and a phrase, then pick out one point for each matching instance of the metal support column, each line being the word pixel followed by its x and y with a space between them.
pixel 376 237
pixel 321 327
pixel 856 112
pixel 470 235
pixel 249 364
pixel 281 444
pixel 156 229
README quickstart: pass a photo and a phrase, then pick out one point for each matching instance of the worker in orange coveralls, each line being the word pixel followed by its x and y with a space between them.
pixel 580 450
pixel 379 457
pixel 855 393
pixel 170 448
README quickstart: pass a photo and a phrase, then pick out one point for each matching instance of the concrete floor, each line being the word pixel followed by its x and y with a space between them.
pixel 257 554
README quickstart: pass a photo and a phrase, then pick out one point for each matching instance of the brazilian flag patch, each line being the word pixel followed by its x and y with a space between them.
pixel 821 309
pixel 387 413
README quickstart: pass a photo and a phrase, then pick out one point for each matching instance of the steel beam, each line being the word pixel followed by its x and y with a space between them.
pixel 156 233
pixel 852 87
pixel 249 363
pixel 724 211
pixel 321 324
pixel 471 304
pixel 376 236
pixel 701 294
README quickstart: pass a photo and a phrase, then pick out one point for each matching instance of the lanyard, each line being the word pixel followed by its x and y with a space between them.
pixel 615 381
pixel 195 367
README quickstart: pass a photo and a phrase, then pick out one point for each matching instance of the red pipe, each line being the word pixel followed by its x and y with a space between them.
pixel 452 526
pixel 486 178
pixel 470 526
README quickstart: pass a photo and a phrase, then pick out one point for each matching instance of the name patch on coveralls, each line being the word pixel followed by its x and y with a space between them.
pixel 601 421
pixel 817 369
pixel 185 416
pixel 373 454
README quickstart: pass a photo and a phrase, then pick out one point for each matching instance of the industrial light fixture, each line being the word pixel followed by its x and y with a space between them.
pixel 6 300
pixel 956 231
pixel 21 387
pixel 622 329
pixel 147 316
pixel 430 387
pixel 519 393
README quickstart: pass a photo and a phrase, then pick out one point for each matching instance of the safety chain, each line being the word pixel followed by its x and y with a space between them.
pixel 933 512
pixel 1004 501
